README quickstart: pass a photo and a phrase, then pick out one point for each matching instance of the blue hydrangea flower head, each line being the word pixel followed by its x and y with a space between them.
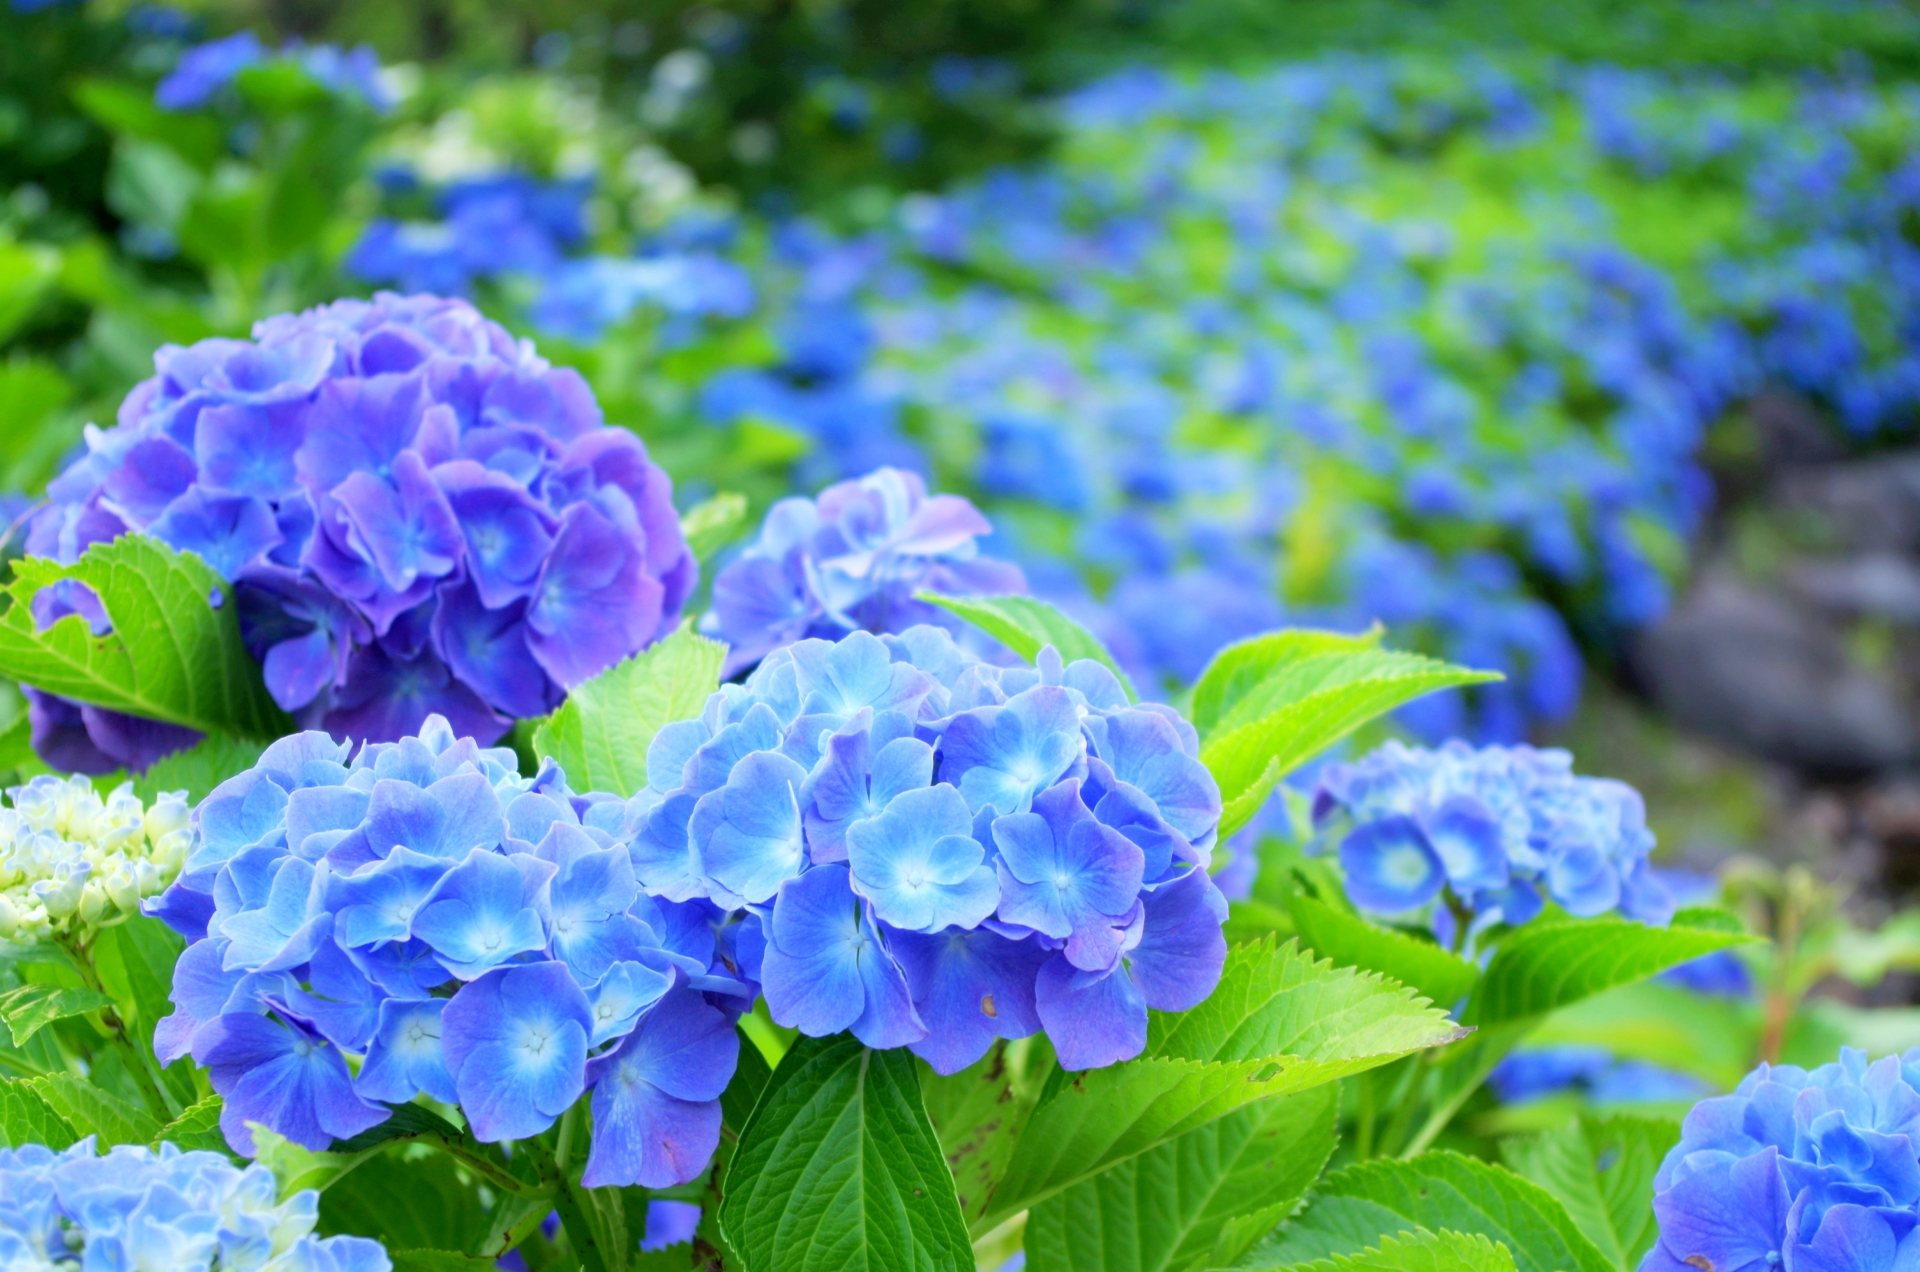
pixel 467 933
pixel 139 1207
pixel 1809 1171
pixel 935 851
pixel 420 516
pixel 1499 829
pixel 206 69
pixel 851 560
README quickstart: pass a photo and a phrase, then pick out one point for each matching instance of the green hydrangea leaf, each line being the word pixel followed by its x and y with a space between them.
pixel 1549 964
pixel 1601 1170
pixel 1194 1202
pixel 1351 941
pixel 1278 1023
pixel 27 1009
pixel 838 1168
pixel 197 1129
pixel 1026 625
pixel 27 1118
pixel 601 732
pixel 174 654
pixel 199 769
pixel 712 525
pixel 92 1111
pixel 1354 1209
pixel 1267 705
pixel 1421 1251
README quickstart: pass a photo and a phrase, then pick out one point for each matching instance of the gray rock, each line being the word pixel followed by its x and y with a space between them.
pixel 1750 669
pixel 1869 505
pixel 1873 584
pixel 1790 430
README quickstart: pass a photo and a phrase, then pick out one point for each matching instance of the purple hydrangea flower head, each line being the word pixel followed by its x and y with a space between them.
pixel 1499 829
pixel 851 560
pixel 466 932
pixel 937 851
pixel 420 516
pixel 134 1207
pixel 1807 1170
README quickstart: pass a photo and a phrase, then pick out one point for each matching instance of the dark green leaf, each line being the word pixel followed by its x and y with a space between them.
pixel 408 1197
pixel 601 732
pixel 1351 941
pixel 1550 964
pixel 435 1260
pixel 1601 1170
pixel 1198 1201
pixel 29 1008
pixel 979 1113
pixel 839 1169
pixel 1279 1022
pixel 171 654
pixel 1354 1209
pixel 1026 625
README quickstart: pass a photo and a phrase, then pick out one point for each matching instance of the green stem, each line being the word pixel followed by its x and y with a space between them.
pixel 133 1057
pixel 1363 1117
pixel 563 1143
pixel 576 1218
pixel 1403 1102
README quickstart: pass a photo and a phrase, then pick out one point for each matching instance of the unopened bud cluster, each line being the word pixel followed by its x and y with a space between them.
pixel 72 863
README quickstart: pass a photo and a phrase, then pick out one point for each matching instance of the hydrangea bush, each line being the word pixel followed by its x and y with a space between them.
pixel 419 514
pixel 136 1207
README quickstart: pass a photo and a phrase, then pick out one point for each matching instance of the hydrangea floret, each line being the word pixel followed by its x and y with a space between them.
pixel 72 863
pixel 139 1207
pixel 1803 1170
pixel 934 852
pixel 463 932
pixel 1486 835
pixel 420 516
pixel 851 560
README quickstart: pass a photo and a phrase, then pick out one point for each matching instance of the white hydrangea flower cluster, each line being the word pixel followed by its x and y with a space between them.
pixel 72 863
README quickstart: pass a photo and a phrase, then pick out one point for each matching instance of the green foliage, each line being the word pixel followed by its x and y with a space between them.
pixel 979 1113
pixel 1198 1201
pixel 1026 625
pixel 198 769
pixel 197 1129
pixel 838 1168
pixel 1351 941
pixel 601 732
pixel 409 1198
pixel 29 1008
pixel 27 1118
pixel 91 1110
pixel 1278 1023
pixel 171 654
pixel 1267 705
pixel 1548 964
pixel 1355 1208
pixel 1601 1170
pixel 712 525
pixel 1421 1251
